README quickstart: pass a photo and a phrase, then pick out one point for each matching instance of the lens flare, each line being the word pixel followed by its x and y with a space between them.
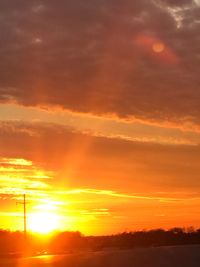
pixel 158 47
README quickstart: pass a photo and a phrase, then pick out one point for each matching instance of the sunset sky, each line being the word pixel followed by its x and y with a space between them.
pixel 100 114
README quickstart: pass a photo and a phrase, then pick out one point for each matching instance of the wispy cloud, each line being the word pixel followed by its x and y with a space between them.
pixel 115 194
pixel 18 175
pixel 110 127
pixel 19 162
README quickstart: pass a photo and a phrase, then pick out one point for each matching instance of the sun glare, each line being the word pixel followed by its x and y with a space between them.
pixel 45 219
pixel 43 222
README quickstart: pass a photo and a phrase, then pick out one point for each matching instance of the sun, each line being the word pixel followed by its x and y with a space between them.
pixel 44 219
pixel 43 222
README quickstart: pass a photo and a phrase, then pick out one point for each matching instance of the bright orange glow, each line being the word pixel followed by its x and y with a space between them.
pixel 45 219
pixel 43 222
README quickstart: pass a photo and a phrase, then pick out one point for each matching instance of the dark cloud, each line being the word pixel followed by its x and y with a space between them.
pixel 84 56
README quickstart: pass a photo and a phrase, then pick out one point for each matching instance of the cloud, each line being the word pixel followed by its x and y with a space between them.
pixel 19 176
pixel 114 194
pixel 132 129
pixel 84 57
pixel 78 160
pixel 97 179
pixel 175 3
pixel 135 64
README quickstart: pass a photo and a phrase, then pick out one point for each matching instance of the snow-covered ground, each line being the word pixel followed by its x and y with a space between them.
pixel 186 256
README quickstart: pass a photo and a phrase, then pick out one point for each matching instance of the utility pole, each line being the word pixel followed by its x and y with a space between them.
pixel 24 216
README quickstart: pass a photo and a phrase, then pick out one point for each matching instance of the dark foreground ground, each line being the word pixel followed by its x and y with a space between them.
pixel 186 256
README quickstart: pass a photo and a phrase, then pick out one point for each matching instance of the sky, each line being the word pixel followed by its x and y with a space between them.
pixel 100 114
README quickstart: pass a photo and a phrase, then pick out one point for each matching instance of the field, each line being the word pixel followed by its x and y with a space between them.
pixel 186 256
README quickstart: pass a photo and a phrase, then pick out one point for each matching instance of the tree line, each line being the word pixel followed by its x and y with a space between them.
pixel 15 243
